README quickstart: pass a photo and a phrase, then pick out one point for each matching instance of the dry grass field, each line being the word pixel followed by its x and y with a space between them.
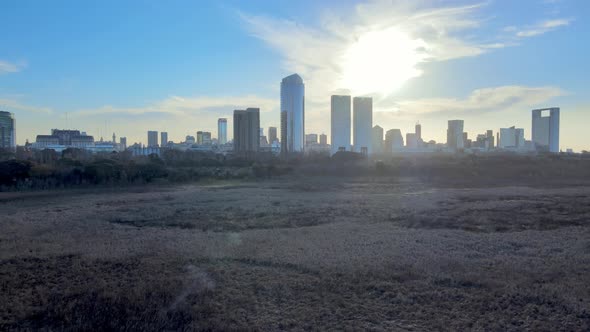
pixel 317 253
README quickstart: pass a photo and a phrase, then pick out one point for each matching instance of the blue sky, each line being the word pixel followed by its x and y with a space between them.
pixel 176 66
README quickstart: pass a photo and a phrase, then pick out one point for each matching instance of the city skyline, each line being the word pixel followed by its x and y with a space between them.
pixel 118 81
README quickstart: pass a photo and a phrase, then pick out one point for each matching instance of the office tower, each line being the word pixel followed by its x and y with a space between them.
pixel 163 138
pixel 293 105
pixel 377 139
pixel 199 137
pixel 455 135
pixel 311 139
pixel 545 129
pixel 123 142
pixel 324 139
pixel 7 130
pixel 490 137
pixel 340 123
pixel 411 140
pixel 272 134
pixel 362 109
pixel 152 139
pixel 246 131
pixel 511 138
pixel 418 132
pixel 394 141
pixel 222 131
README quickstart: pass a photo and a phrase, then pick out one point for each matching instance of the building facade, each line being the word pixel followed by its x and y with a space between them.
pixel 7 130
pixel 152 139
pixel 323 139
pixel 545 129
pixel 362 109
pixel 293 105
pixel 246 131
pixel 340 123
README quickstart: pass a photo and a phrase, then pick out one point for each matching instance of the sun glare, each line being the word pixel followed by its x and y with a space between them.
pixel 381 62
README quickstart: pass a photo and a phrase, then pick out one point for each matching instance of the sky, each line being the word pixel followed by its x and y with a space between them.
pixel 126 67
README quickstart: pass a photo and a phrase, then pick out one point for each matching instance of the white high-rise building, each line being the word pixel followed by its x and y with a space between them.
pixel 511 138
pixel 340 123
pixel 292 114
pixel 455 135
pixel 362 108
pixel 545 129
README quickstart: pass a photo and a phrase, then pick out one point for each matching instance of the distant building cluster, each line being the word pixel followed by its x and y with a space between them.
pixel 351 124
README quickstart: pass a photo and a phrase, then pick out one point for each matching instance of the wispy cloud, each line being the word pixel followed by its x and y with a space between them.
pixel 9 67
pixel 187 106
pixel 480 100
pixel 18 105
pixel 542 27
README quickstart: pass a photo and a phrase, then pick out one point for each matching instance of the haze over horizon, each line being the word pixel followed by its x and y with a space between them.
pixel 177 66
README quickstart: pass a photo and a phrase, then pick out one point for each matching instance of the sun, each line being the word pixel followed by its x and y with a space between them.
pixel 381 62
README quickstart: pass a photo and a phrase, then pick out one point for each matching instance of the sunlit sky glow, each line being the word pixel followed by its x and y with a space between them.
pixel 177 66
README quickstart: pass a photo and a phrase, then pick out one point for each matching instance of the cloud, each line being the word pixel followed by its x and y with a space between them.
pixel 374 47
pixel 8 67
pixel 481 100
pixel 542 27
pixel 187 106
pixel 16 104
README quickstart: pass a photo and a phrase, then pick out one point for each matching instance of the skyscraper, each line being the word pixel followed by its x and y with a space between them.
pixel 222 131
pixel 340 123
pixel 123 142
pixel 199 137
pixel 163 138
pixel 455 134
pixel 152 139
pixel 7 130
pixel 418 132
pixel 377 139
pixel 246 131
pixel 545 129
pixel 324 139
pixel 272 134
pixel 362 109
pixel 284 133
pixel 293 105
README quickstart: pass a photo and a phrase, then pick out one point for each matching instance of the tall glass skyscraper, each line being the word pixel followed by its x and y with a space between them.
pixel 292 114
pixel 7 130
pixel 222 131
